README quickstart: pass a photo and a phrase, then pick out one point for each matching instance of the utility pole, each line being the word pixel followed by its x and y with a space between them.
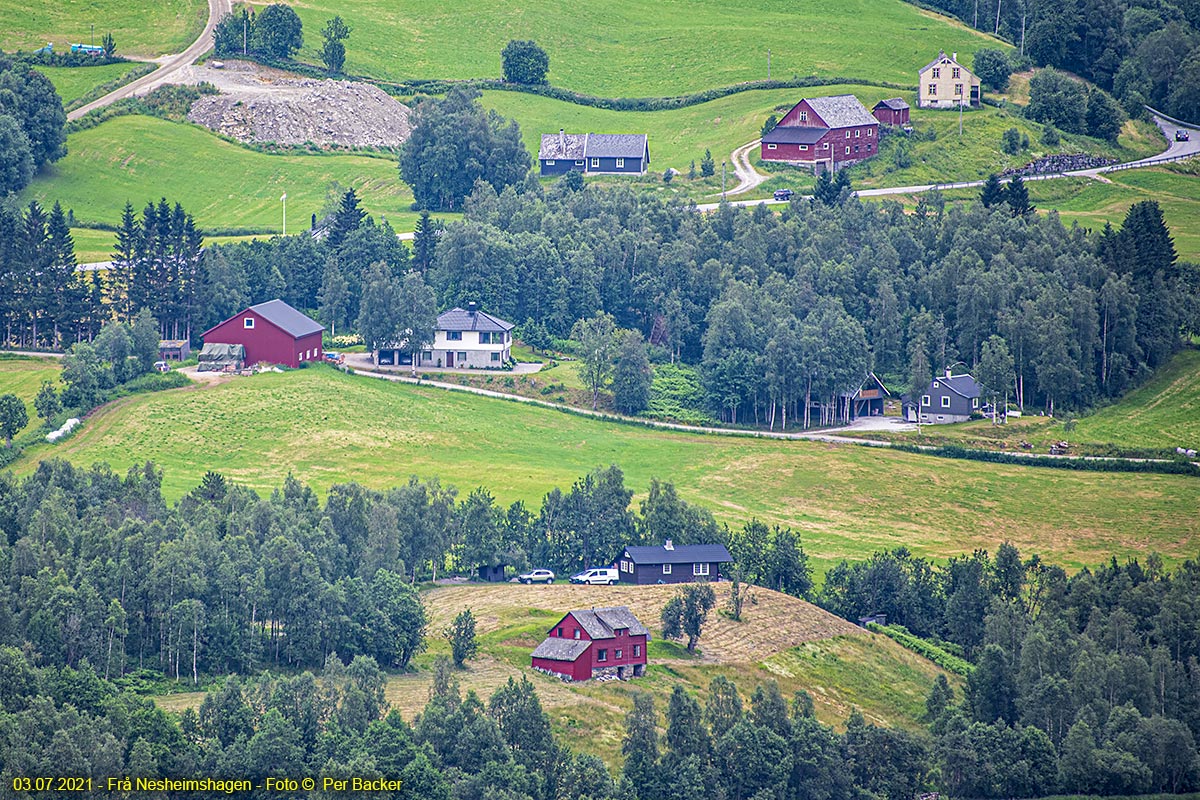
pixel 768 65
pixel 960 113
pixel 284 201
pixel 93 34
pixel 723 181
pixel 245 31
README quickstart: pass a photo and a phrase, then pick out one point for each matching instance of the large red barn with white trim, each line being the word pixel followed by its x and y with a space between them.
pixel 823 132
pixel 593 643
pixel 272 332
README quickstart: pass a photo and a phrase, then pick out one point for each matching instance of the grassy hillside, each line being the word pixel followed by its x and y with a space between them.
pixel 92 244
pixel 780 638
pixel 23 377
pixel 145 29
pixel 138 159
pixel 635 48
pixel 846 500
pixel 73 82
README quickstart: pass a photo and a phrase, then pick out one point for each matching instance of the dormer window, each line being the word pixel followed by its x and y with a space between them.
pixel 248 323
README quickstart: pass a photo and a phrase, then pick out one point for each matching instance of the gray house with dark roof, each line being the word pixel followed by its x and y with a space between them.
pixel 949 398
pixel 594 153
pixel 672 563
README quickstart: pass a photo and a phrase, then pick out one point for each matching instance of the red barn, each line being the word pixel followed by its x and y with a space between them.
pixel 828 132
pixel 271 332
pixel 593 643
pixel 893 111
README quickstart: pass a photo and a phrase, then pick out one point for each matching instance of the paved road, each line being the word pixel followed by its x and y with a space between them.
pixel 170 64
pixel 1175 151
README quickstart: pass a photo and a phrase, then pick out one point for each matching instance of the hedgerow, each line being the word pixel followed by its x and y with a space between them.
pixel 921 647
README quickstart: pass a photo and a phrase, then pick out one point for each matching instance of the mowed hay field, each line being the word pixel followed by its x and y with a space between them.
pixel 139 29
pixel 780 638
pixel 140 159
pixel 636 48
pixel 73 82
pixel 24 377
pixel 846 500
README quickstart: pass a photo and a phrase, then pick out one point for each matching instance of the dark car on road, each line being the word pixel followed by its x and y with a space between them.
pixel 784 194
pixel 1181 136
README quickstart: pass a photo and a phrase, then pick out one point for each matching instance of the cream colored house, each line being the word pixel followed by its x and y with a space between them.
pixel 944 83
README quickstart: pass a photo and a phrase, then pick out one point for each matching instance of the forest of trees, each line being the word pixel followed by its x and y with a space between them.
pixel 1143 52
pixel 32 124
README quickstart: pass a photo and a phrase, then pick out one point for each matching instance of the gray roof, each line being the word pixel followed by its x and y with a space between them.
pixel 602 623
pixel 894 103
pixel 944 59
pixel 680 554
pixel 794 134
pixel 964 385
pixel 282 315
pixel 566 146
pixel 841 111
pixel 457 319
pixel 592 145
pixel 558 649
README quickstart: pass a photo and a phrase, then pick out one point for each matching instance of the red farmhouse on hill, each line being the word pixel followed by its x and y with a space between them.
pixel 273 332
pixel 593 643
pixel 824 133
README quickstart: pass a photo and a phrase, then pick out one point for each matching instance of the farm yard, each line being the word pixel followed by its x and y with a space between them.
pixel 846 500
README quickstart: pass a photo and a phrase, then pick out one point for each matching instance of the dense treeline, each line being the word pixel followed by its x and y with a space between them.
pixel 1143 52
pixel 32 124
pixel 1088 684
pixel 97 567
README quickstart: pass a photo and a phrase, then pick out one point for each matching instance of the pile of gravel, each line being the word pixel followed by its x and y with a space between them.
pixel 296 111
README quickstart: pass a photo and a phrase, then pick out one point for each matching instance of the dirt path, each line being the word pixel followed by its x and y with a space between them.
pixel 748 177
pixel 169 64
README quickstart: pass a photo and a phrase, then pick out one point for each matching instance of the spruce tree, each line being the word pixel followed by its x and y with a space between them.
pixel 992 193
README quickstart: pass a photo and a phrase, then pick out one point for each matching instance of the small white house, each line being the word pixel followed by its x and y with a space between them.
pixel 464 338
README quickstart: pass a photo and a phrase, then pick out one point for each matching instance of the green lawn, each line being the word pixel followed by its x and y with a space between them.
pixel 147 29
pixel 92 244
pixel 223 185
pixel 1165 412
pixel 23 377
pixel 846 500
pixel 636 48
pixel 73 82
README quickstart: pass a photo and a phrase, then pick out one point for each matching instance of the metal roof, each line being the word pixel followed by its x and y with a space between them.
pixel 602 623
pixel 894 103
pixel 964 385
pixel 569 146
pixel 841 111
pixel 680 554
pixel 457 319
pixel 286 318
pixel 794 134
pixel 558 649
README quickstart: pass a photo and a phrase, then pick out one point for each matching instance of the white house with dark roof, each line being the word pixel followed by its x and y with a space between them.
pixel 823 132
pixel 945 83
pixel 594 153
pixel 464 338
pixel 672 563
pixel 949 398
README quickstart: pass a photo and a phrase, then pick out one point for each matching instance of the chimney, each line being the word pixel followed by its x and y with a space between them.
pixel 948 375
pixel 954 57
pixel 472 307
pixel 668 545
pixel 562 142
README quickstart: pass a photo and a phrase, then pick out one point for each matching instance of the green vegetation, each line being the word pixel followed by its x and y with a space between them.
pixel 1165 412
pixel 945 660
pixel 642 47
pixel 74 82
pixel 382 432
pixel 142 158
pixel 23 377
pixel 147 29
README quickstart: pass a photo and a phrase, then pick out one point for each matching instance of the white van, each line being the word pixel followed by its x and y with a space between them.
pixel 598 576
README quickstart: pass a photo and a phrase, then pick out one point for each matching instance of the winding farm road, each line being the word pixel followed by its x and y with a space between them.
pixel 750 178
pixel 169 66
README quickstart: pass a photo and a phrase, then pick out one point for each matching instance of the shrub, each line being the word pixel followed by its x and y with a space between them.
pixel 900 635
pixel 525 62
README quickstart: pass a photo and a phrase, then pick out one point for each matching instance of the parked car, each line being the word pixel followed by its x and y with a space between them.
pixel 784 194
pixel 597 576
pixel 537 576
pixel 162 366
pixel 1181 136
pixel 335 358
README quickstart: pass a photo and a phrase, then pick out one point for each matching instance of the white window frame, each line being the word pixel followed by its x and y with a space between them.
pixel 666 569
pixel 579 163
pixel 925 400
pixel 857 133
pixel 804 147
pixel 974 402
pixel 945 401
pixel 620 163
pixel 932 89
pixel 847 134
pixel 870 132
pixel 937 73
pixel 955 73
pixel 637 651
pixel 549 162
pixel 700 568
pixel 248 323
pixel 804 116
pixel 958 89
pixel 771 147
pixel 602 654
pixel 618 654
pixel 847 149
pixel 595 164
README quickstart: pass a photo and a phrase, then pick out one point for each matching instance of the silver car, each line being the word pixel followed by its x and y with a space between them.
pixel 537 576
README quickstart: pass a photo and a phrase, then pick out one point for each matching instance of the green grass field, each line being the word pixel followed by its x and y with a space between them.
pixel 638 48
pixel 23 377
pixel 221 184
pixel 846 500
pixel 145 29
pixel 73 82
pixel 92 244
